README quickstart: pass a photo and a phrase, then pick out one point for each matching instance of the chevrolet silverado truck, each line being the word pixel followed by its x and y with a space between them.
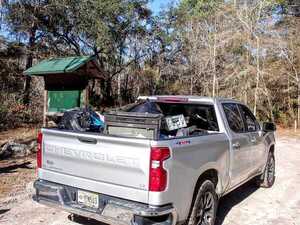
pixel 165 160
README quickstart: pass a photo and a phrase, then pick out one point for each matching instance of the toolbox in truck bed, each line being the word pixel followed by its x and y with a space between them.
pixel 133 124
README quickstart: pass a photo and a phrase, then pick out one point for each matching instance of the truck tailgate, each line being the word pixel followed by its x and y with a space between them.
pixel 119 162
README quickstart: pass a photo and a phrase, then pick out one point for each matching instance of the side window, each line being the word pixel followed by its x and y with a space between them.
pixel 233 116
pixel 251 122
pixel 203 117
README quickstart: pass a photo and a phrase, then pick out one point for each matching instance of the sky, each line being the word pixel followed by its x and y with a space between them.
pixel 156 5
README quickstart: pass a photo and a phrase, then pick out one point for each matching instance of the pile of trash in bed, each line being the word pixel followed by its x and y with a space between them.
pixel 82 119
pixel 167 126
pixel 142 120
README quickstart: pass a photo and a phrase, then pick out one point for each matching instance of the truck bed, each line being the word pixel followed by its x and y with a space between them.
pixel 110 165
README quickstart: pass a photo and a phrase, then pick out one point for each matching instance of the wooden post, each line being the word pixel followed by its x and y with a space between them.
pixel 295 126
pixel 86 96
pixel 45 121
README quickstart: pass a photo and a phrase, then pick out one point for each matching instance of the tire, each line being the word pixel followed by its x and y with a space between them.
pixel 204 205
pixel 77 218
pixel 268 177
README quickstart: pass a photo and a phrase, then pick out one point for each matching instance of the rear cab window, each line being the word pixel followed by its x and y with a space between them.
pixel 200 118
pixel 177 119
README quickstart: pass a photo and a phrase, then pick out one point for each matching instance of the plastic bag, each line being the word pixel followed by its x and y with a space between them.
pixel 81 119
pixel 146 107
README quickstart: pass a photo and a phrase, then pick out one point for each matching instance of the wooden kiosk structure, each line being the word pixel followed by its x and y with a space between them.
pixel 66 81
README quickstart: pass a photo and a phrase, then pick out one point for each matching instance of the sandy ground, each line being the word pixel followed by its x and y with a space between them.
pixel 244 206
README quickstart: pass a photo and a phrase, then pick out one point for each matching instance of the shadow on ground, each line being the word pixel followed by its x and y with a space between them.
pixel 14 167
pixel 84 221
pixel 235 197
pixel 225 205
pixel 2 211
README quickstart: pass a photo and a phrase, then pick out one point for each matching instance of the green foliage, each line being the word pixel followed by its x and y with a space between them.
pixel 66 27
pixel 77 25
pixel 199 8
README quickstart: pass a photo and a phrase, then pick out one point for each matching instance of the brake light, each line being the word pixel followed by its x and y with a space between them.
pixel 172 99
pixel 158 175
pixel 39 150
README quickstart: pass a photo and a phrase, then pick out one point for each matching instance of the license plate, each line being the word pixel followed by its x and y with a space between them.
pixel 88 199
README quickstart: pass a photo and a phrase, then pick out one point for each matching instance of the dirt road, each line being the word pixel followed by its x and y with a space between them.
pixel 247 205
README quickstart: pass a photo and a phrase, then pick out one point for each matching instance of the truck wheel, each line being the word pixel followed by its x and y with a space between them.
pixel 76 218
pixel 204 205
pixel 268 177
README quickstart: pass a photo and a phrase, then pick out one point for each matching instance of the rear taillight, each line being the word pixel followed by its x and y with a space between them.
pixel 39 150
pixel 172 99
pixel 158 175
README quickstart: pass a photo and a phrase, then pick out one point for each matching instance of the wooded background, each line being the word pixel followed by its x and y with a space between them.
pixel 247 50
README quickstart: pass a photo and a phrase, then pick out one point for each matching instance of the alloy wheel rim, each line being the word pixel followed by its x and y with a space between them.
pixel 205 212
pixel 271 170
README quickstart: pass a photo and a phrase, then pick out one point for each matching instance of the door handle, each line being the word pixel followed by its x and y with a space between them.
pixel 236 145
pixel 253 140
pixel 88 140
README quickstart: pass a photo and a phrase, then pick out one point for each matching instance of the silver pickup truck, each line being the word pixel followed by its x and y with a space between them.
pixel 158 177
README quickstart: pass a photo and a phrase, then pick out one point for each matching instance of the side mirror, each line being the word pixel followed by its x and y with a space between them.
pixel 268 127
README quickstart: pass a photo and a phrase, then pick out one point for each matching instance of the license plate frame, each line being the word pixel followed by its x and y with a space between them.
pixel 88 199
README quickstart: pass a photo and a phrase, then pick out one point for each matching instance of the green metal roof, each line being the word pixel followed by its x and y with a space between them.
pixel 58 65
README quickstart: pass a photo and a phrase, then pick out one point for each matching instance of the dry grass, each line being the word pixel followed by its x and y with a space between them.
pixel 16 173
pixel 18 134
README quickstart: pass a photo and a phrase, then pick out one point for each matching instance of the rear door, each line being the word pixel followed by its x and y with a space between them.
pixel 253 129
pixel 241 162
pixel 115 161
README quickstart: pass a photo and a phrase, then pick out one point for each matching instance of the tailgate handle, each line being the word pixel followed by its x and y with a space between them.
pixel 88 140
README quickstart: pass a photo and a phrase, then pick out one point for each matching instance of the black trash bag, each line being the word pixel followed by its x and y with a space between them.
pixel 146 107
pixel 81 119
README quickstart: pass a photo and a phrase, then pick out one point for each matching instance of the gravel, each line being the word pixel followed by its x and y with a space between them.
pixel 247 205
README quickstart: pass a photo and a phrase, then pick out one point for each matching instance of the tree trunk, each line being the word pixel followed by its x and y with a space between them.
pixel 289 96
pixel 126 95
pixel 298 105
pixel 245 95
pixel 106 94
pixel 29 60
pixel 257 76
pixel 214 62
pixel 120 98
pixel 191 85
pixel 109 92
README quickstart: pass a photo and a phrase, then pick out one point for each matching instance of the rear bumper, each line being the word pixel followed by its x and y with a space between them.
pixel 111 210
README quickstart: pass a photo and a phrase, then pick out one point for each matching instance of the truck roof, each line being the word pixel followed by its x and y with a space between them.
pixel 188 98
